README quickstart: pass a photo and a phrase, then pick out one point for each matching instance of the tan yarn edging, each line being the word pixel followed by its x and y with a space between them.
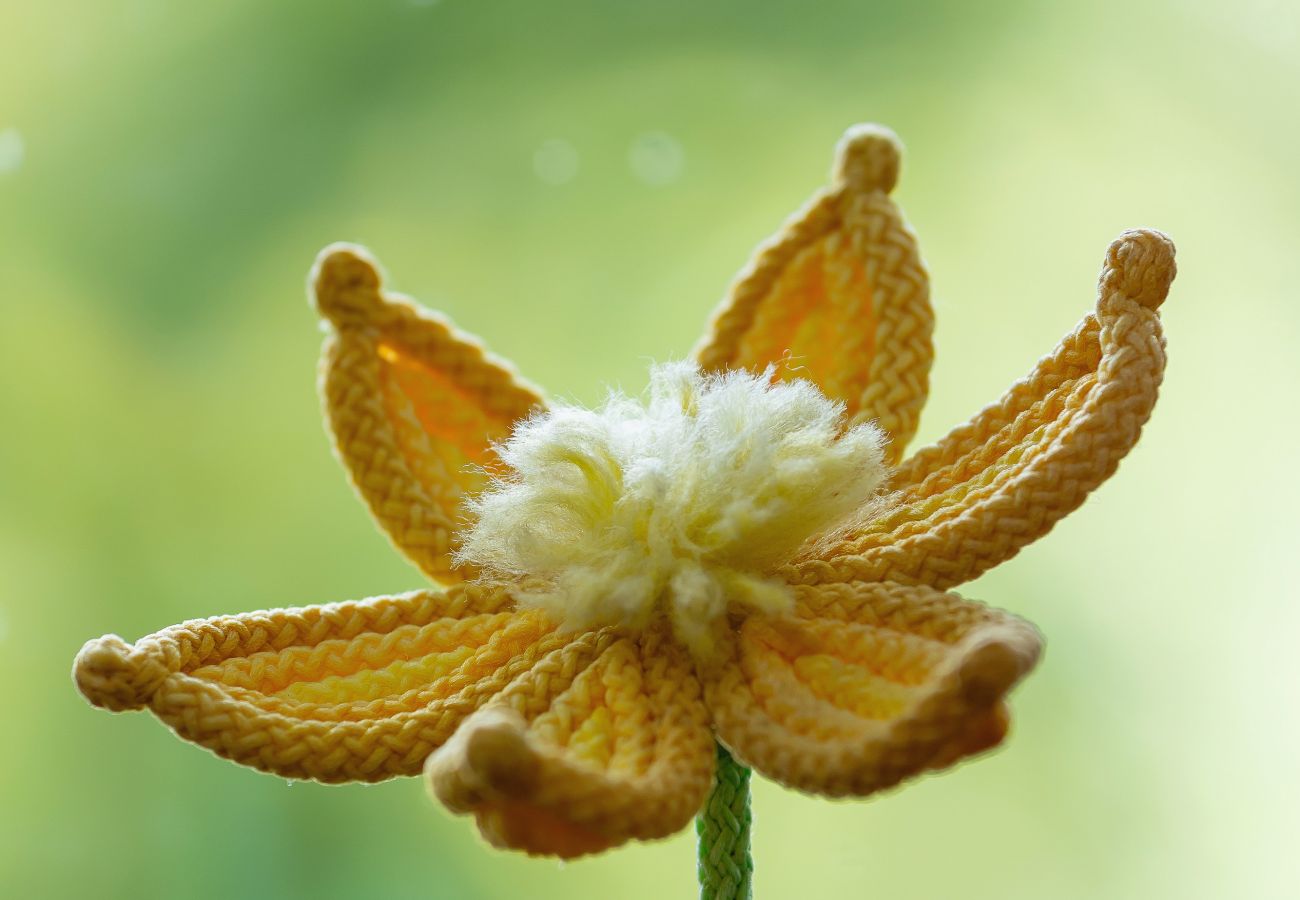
pixel 941 666
pixel 412 495
pixel 1005 478
pixel 324 742
pixel 890 358
pixel 518 767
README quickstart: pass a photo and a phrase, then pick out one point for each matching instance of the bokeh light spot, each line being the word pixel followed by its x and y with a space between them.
pixel 656 158
pixel 12 150
pixel 556 161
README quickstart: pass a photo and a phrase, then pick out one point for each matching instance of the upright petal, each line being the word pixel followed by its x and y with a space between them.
pixel 839 296
pixel 867 684
pixel 1002 480
pixel 605 741
pixel 413 406
pixel 359 691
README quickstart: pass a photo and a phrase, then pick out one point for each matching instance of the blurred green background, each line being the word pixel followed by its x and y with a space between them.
pixel 577 182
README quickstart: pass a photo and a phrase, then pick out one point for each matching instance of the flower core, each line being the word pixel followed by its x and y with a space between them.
pixel 681 505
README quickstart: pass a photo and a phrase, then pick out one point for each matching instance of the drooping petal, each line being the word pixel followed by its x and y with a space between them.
pixel 413 406
pixel 1002 480
pixel 867 684
pixel 358 691
pixel 605 741
pixel 839 296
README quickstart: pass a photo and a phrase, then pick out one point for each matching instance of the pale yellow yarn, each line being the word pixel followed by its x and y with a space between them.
pixel 680 505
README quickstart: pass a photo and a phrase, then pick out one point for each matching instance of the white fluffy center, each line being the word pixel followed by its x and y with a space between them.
pixel 682 505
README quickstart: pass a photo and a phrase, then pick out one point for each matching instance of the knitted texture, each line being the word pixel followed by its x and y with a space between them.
pixel 564 740
pixel 842 293
pixel 413 405
pixel 726 867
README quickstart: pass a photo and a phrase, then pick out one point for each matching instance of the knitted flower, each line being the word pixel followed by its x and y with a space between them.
pixel 743 558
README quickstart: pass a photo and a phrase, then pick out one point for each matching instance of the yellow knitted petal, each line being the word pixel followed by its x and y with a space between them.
pixel 1002 480
pixel 412 405
pixel 358 691
pixel 842 295
pixel 867 684
pixel 605 741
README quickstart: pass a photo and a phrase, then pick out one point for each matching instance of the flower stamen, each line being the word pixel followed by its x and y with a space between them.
pixel 680 506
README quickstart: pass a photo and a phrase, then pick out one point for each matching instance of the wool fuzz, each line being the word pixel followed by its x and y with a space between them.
pixel 675 505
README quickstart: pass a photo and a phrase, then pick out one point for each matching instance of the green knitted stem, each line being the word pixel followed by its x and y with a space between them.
pixel 726 868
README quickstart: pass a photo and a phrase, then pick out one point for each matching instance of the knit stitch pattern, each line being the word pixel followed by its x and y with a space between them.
pixel 726 866
pixel 566 741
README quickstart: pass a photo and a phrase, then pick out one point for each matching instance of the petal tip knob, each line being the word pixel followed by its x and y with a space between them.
pixel 867 158
pixel 487 758
pixel 345 283
pixel 997 659
pixel 1140 265
pixel 112 674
